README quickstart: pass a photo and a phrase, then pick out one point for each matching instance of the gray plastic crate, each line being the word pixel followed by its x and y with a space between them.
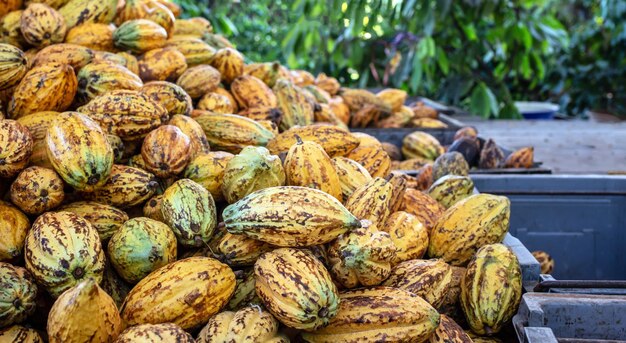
pixel 580 220
pixel 552 318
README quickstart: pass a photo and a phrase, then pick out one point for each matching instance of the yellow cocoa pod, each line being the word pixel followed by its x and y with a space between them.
pixel 408 234
pixel 366 140
pixel 329 84
pixel 251 92
pixel 340 109
pixel 229 62
pixel 196 51
pixel 216 103
pixel 9 5
pixel 166 151
pixel 13 66
pixel 127 187
pixel 139 36
pixel 152 208
pixel 424 207
pixel 208 170
pixel 17 333
pixel 129 61
pixel 13 228
pixel 221 91
pixel 308 165
pixel 161 65
pixel 114 286
pixel 192 27
pixel 260 114
pixel 522 158
pixel 232 133
pixel 197 137
pixel 395 98
pixel 169 95
pixel 297 110
pixel 326 115
pixel 267 72
pixel 166 332
pixel 187 293
pixel 105 219
pixel 351 175
pixel 245 293
pixel 430 279
pixel 246 325
pixel 421 144
pixel 336 141
pixel 17 295
pixel 37 190
pixel 449 331
pixel 296 277
pixel 101 77
pixel 237 250
pixel 428 123
pixel 146 9
pixel 96 36
pixel 74 55
pixel 367 314
pixel 77 12
pixel 451 189
pixel 84 312
pixel 371 201
pixel 38 123
pixel 39 156
pixel 54 93
pixel 10 32
pixel 79 151
pixel 399 181
pixel 41 25
pixel 373 158
pixel 199 80
pixel 357 99
pixel 16 145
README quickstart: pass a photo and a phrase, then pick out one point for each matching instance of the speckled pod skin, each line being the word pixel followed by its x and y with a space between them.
pixel 187 293
pixel 100 77
pixel 10 25
pixel 491 289
pixel 13 228
pixel 97 36
pixel 251 92
pixel 79 151
pixel 379 314
pixel 13 66
pixel 37 190
pixel 296 288
pixel 117 145
pixel 77 12
pixel 232 133
pixel 170 95
pixel 105 219
pixel 84 313
pixel 399 182
pixel 196 51
pixel 356 99
pixel 55 93
pixel 229 62
pixel 289 217
pixel 166 151
pixel 361 257
pixel 450 189
pixel 17 333
pixel 38 123
pixel 251 170
pixel 127 187
pixel 373 158
pixel 491 156
pixel 351 175
pixel 248 325
pixel 308 165
pixel 71 54
pixel 61 250
pixel 190 127
pixel 162 64
pixel 125 113
pixel 18 292
pixel 267 72
pixel 371 201
pixel 152 208
pixel 336 141
pixel 41 25
pixel 216 103
pixel 189 210
pixel 393 97
pixel 166 332
pixel 196 27
pixel 450 163
pixel 199 80
pixel 522 158
pixel 245 293
pixel 408 234
pixel 423 206
pixel 421 144
pixel 237 250
pixel 297 110
pixel 449 331
pixel 139 36
pixel 208 170
pixel 468 225
pixel 16 145
pixel 430 279
pixel 141 246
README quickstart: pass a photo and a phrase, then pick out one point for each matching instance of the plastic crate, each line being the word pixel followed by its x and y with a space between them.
pixel 552 318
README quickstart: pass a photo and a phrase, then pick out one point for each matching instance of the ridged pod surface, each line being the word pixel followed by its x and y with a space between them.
pixel 408 234
pixel 197 138
pixel 61 250
pixel 450 189
pixel 361 257
pixel 468 225
pixel 152 208
pixel 351 175
pixel 169 95
pixel 267 72
pixel 357 99
pixel 379 314
pixel 192 27
pixel 335 140
pixel 232 133
pixel 251 92
pixel 424 207
pixel 21 334
pixel 245 293
pixel 18 293
pixel 491 289
pixel 449 331
pixel 373 158
pixel 395 98
pixel 37 190
pixel 196 51
pixel 522 158
pixel 289 216
pixel 371 201
pixel 297 110
pixel 166 151
pixel 229 62
pixel 48 87
pixel 308 165
pixel 125 113
pixel 429 279
pixel 84 313
pixel 41 25
pixel 141 246
pixel 199 80
pixel 450 163
pixel 97 36
pixel 100 77
pixel 187 293
pixel 296 288
pixel 10 26
pixel 13 228
pixel 166 332
pixel 421 144
pixel 329 84
pixel 74 55
pixel 127 187
pixel 13 66
pixel 216 103
pixel 77 12
pixel 237 250
pixel 208 170
pixel 248 325
pixel 16 145
pixel 189 209
pixel 114 286
pixel 399 182
pixel 491 156
pixel 139 36
pixel 79 151
pixel 105 219
pixel 162 64
pixel 253 169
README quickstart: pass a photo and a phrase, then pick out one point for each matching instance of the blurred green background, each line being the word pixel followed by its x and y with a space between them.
pixel 478 54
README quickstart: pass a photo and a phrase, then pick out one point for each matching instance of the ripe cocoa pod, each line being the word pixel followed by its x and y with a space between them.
pixel 491 156
pixel 13 66
pixel 451 189
pixel 466 131
pixel 393 151
pixel 408 234
pixel 297 110
pixel 522 158
pixel 251 92
pixel 165 332
pixel 245 293
pixel 450 163
pixel 71 54
pixel 169 95
pixel 197 138
pixel 399 182
pixel 37 190
pixel 152 208
pixel 38 123
pixel 246 325
pixel 16 146
pixel 335 140
pixel 545 260
pixel 267 72
pixel 17 333
pixel 105 219
pixel 340 109
pixel 373 158
pixel 237 250
pixel 208 170
pixel 13 228
pixel 196 51
pixel 139 36
pixel 232 133
pixel 421 144
pixel 192 27
pixel 100 77
pixel 114 285
pixel 41 25
pixel 371 201
pixel 117 145
pixel 351 175
pixel 96 36
pixel 199 80
pixel 77 12
pixel 166 151
pixel 17 295
pixel 469 147
pixel 329 84
pixel 229 62
pixel 10 26
pixel 430 279
pixel 357 99
pixel 127 187
pixel 449 331
pixel 395 98
pixel 161 65
pixel 216 103
pixel 423 206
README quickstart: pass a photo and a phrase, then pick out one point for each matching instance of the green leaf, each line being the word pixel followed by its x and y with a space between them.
pixel 416 73
pixel 483 102
pixel 442 61
pixel 522 35
pixel 470 32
